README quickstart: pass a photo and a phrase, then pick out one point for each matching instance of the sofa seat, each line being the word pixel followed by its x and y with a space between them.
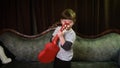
pixel 94 65
pixel 21 64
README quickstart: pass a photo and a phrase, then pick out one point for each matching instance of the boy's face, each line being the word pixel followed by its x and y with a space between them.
pixel 71 23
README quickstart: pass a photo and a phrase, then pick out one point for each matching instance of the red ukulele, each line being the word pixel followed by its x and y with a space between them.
pixel 51 48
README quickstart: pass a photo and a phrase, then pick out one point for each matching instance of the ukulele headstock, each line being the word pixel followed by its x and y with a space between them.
pixel 65 25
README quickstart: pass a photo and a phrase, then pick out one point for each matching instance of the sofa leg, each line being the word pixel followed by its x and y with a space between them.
pixel 3 57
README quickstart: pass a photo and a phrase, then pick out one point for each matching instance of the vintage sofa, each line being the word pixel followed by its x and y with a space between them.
pixel 99 51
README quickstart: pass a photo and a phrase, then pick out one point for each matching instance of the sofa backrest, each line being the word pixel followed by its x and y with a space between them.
pixel 102 48
pixel 22 47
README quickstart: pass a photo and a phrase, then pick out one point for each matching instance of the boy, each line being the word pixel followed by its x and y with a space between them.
pixel 66 40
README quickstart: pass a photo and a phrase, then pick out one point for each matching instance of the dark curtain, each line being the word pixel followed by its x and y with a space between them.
pixel 15 14
pixel 34 16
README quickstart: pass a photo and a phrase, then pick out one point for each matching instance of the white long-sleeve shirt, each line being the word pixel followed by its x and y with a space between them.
pixel 69 35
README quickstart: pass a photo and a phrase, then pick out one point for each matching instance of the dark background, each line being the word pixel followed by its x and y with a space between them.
pixel 32 17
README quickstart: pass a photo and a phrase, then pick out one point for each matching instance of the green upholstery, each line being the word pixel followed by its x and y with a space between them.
pixel 26 49
pixel 88 53
pixel 103 48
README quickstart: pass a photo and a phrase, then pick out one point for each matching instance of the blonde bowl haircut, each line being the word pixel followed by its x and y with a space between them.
pixel 69 14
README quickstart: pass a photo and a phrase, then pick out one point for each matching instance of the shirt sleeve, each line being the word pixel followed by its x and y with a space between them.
pixel 67 45
pixel 70 38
